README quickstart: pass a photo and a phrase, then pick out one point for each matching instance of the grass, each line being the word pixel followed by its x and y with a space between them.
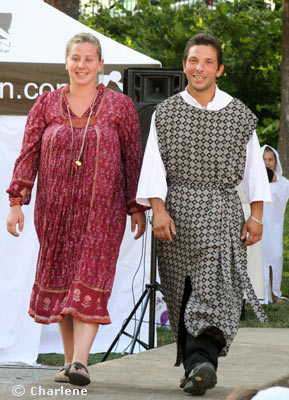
pixel 58 359
pixel 278 314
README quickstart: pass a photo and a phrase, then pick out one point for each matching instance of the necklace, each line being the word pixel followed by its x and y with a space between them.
pixel 78 162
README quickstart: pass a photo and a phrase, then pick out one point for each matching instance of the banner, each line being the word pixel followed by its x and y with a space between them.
pixel 21 83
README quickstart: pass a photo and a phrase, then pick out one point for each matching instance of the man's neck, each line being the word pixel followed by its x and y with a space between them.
pixel 203 97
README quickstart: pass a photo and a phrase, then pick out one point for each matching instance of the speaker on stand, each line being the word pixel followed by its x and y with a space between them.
pixel 148 87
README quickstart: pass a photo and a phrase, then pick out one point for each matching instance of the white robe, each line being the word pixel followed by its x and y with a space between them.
pixel 255 264
pixel 272 241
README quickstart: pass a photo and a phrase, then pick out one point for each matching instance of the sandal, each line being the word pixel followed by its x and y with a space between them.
pixel 78 374
pixel 62 374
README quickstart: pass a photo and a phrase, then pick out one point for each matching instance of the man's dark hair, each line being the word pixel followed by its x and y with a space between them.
pixel 207 40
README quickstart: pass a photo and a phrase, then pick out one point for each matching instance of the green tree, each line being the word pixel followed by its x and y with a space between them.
pixel 250 34
pixel 283 142
pixel 69 7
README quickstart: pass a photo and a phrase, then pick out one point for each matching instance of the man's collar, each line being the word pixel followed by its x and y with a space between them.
pixel 220 100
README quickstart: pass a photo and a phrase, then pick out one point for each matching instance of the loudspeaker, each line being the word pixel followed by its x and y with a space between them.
pixel 149 86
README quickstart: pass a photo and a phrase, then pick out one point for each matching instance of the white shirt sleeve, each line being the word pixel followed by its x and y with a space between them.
pixel 255 179
pixel 152 181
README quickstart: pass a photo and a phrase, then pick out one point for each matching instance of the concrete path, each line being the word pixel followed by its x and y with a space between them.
pixel 258 355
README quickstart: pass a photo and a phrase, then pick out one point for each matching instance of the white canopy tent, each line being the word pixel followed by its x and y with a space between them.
pixel 33 36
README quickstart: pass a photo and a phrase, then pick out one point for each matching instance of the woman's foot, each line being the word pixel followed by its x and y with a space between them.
pixel 63 374
pixel 78 374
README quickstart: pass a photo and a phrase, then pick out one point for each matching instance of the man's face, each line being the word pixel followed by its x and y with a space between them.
pixel 201 68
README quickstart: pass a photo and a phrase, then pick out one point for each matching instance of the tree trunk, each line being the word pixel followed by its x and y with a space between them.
pixel 69 7
pixel 283 141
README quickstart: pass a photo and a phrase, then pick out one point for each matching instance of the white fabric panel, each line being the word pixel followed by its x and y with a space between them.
pixel 272 393
pixel 21 339
pixel 254 253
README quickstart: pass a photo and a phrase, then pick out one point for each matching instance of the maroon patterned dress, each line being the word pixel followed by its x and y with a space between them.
pixel 80 215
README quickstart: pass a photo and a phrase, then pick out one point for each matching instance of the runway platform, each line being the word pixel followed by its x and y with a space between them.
pixel 258 355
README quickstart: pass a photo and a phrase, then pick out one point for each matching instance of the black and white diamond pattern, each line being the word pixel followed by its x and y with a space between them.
pixel 204 153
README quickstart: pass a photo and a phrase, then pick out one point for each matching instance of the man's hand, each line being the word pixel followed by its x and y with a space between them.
pixel 254 229
pixel 15 217
pixel 251 227
pixel 138 219
pixel 164 226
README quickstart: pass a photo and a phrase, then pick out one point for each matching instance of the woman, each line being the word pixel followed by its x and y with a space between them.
pixel 84 142
pixel 273 219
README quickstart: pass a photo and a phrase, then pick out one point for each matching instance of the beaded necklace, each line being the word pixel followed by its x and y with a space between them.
pixel 78 162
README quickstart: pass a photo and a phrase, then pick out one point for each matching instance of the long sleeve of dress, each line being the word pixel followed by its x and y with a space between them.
pixel 129 130
pixel 26 165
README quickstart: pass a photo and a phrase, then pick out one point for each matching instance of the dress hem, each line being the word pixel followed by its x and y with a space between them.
pixel 73 313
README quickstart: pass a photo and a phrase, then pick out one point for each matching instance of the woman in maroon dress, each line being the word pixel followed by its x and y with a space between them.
pixel 83 140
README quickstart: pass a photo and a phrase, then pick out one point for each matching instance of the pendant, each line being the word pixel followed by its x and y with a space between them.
pixel 78 163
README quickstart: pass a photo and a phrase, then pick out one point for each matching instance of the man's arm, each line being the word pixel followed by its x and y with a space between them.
pixel 257 190
pixel 163 224
pixel 152 182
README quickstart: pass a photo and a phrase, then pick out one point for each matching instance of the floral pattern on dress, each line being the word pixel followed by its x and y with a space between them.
pixel 80 215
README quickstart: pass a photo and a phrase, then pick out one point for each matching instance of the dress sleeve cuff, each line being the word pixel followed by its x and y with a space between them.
pixel 134 207
pixel 20 190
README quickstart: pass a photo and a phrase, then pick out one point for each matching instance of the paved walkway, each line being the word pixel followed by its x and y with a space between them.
pixel 257 356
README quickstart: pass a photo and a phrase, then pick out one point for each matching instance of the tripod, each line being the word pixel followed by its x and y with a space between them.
pixel 148 295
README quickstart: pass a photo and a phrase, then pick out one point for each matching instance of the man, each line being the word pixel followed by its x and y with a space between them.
pixel 201 145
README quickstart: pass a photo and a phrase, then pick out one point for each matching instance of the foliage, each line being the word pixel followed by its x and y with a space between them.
pixel 250 34
pixel 269 129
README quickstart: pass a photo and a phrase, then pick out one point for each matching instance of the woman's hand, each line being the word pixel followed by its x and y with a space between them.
pixel 15 217
pixel 138 219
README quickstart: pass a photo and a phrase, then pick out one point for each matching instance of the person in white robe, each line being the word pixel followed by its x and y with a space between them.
pixel 273 219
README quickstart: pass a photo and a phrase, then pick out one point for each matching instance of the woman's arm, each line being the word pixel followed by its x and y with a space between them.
pixel 26 165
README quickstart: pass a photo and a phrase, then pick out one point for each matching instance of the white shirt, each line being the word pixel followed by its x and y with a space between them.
pixel 152 182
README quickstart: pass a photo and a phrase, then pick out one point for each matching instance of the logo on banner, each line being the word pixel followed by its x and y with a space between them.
pixel 5 23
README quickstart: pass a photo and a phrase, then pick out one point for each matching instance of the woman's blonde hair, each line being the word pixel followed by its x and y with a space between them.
pixel 83 37
pixel 248 393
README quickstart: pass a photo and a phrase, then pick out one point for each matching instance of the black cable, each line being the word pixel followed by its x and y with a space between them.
pixel 142 258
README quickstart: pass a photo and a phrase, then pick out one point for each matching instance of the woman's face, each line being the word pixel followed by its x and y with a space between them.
pixel 269 159
pixel 83 64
